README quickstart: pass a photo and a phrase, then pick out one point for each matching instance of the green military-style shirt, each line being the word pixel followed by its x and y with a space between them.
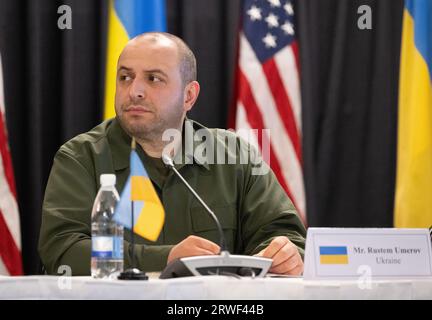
pixel 252 209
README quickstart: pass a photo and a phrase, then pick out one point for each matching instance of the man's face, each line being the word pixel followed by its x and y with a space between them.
pixel 149 90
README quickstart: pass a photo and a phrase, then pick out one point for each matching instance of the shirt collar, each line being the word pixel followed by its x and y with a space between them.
pixel 188 156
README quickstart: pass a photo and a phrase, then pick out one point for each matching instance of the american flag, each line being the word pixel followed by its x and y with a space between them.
pixel 268 89
pixel 10 237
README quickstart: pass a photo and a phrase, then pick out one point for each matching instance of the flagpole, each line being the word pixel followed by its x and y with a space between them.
pixel 133 147
pixel 133 273
pixel 132 235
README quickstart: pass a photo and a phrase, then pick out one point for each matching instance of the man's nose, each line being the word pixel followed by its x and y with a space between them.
pixel 137 89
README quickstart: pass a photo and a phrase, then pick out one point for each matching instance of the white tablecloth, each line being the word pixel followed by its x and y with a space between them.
pixel 209 287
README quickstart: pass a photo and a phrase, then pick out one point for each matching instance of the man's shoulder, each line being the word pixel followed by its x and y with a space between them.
pixel 87 139
pixel 218 134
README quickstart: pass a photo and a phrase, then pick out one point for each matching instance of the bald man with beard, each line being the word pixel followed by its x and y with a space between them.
pixel 155 87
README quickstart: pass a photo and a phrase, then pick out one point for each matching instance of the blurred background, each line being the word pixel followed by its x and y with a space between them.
pixel 54 88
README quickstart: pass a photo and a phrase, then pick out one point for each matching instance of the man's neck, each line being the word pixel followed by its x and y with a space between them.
pixel 155 146
pixel 152 148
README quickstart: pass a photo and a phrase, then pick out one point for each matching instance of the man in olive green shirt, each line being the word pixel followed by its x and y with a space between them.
pixel 156 85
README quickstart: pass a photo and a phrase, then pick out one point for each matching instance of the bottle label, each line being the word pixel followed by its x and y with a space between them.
pixel 107 247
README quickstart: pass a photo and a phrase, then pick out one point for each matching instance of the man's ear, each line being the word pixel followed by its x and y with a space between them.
pixel 191 93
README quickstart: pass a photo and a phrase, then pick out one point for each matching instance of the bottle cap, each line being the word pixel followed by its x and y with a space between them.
pixel 107 180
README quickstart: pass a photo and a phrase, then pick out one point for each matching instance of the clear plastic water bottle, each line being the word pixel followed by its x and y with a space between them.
pixel 107 234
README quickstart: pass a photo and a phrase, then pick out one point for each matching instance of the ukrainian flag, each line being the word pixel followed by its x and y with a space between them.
pixel 127 19
pixel 333 255
pixel 413 198
pixel 149 214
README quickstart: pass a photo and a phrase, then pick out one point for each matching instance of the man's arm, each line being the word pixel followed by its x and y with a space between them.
pixel 267 214
pixel 65 236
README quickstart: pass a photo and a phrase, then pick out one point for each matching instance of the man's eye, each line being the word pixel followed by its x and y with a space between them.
pixel 153 78
pixel 125 78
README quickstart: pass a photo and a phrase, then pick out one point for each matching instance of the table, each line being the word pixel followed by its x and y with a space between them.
pixel 209 287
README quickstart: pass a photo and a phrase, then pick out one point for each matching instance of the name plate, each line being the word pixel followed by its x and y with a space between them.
pixel 348 253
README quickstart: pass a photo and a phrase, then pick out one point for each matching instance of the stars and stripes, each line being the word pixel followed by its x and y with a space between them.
pixel 269 91
pixel 10 237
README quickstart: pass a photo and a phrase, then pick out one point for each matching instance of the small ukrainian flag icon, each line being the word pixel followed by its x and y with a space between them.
pixel 333 255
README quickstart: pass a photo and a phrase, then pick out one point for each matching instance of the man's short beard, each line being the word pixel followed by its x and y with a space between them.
pixel 152 131
pixel 142 131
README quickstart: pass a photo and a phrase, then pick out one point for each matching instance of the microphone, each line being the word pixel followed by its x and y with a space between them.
pixel 169 163
pixel 222 264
